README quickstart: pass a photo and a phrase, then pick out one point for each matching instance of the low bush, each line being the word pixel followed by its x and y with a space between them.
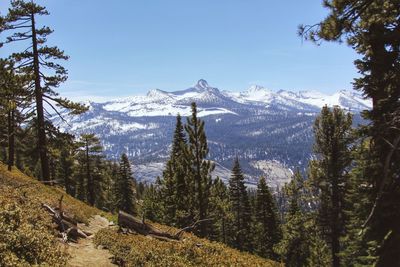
pixel 26 238
pixel 138 250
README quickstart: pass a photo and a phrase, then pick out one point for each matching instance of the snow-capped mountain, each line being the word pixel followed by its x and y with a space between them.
pixel 160 103
pixel 258 125
pixel 212 101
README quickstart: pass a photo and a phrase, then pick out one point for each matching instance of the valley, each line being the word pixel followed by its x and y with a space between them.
pixel 258 125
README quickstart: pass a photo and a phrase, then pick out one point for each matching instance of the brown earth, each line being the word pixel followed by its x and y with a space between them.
pixel 85 253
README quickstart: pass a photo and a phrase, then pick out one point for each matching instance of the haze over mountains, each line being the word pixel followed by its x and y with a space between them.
pixel 271 132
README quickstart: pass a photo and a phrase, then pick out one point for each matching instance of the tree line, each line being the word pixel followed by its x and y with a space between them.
pixel 344 212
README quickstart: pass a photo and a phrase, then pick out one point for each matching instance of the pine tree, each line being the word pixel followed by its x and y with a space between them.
pixel 109 180
pixel 268 232
pixel 356 250
pixel 124 191
pixel 173 185
pixel 183 214
pixel 371 27
pixel 220 210
pixel 152 207
pixel 320 252
pixel 13 97
pixel 140 190
pixel 199 168
pixel 169 195
pixel 65 169
pixel 240 232
pixel 294 248
pixel 332 131
pixel 89 152
pixel 21 21
pixel 99 183
pixel 79 178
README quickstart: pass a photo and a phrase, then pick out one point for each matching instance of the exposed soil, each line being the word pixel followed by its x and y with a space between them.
pixel 85 253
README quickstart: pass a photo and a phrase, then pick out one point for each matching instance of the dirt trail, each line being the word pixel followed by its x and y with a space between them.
pixel 84 253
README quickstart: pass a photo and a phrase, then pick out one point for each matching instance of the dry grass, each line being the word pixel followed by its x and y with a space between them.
pixel 132 250
pixel 32 189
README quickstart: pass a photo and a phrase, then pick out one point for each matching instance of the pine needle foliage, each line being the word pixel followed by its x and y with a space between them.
pixel 268 232
pixel 240 226
pixel 124 187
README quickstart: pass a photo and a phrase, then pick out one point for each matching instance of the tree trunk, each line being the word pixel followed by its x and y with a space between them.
pixel 200 199
pixel 42 147
pixel 223 230
pixel 335 224
pixel 11 139
pixel 90 185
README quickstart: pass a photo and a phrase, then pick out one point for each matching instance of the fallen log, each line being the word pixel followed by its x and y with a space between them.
pixel 139 226
pixel 126 220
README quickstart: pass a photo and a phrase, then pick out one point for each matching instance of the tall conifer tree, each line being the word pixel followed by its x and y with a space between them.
pixel 372 27
pixel 21 21
pixel 240 209
pixel 294 248
pixel 13 98
pixel 332 131
pixel 220 210
pixel 90 151
pixel 268 232
pixel 124 187
pixel 358 200
pixel 174 188
pixel 199 167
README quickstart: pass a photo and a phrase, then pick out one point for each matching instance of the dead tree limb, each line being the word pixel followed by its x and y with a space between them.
pixel 190 227
pixel 67 226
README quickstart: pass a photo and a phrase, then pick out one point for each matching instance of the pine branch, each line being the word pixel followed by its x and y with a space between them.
pixel 58 113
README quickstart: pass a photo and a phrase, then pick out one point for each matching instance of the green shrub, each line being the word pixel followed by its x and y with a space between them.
pixel 138 250
pixel 25 237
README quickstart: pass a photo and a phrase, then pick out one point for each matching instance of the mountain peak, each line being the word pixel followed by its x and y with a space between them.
pixel 256 88
pixel 154 93
pixel 202 84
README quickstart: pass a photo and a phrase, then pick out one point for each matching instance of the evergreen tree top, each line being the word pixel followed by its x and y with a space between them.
pixel 179 137
pixel 21 23
pixel 237 173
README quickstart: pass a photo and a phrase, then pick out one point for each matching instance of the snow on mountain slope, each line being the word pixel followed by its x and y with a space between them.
pixel 267 130
pixel 286 100
pixel 345 99
pixel 161 103
pixel 258 94
pixel 211 101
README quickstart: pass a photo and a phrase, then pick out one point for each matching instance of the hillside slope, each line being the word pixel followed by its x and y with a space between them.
pixel 22 193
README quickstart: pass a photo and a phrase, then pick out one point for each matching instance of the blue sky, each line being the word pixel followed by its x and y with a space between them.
pixel 127 47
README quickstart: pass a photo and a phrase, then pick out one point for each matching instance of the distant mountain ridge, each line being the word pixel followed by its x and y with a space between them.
pixel 263 127
pixel 213 101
